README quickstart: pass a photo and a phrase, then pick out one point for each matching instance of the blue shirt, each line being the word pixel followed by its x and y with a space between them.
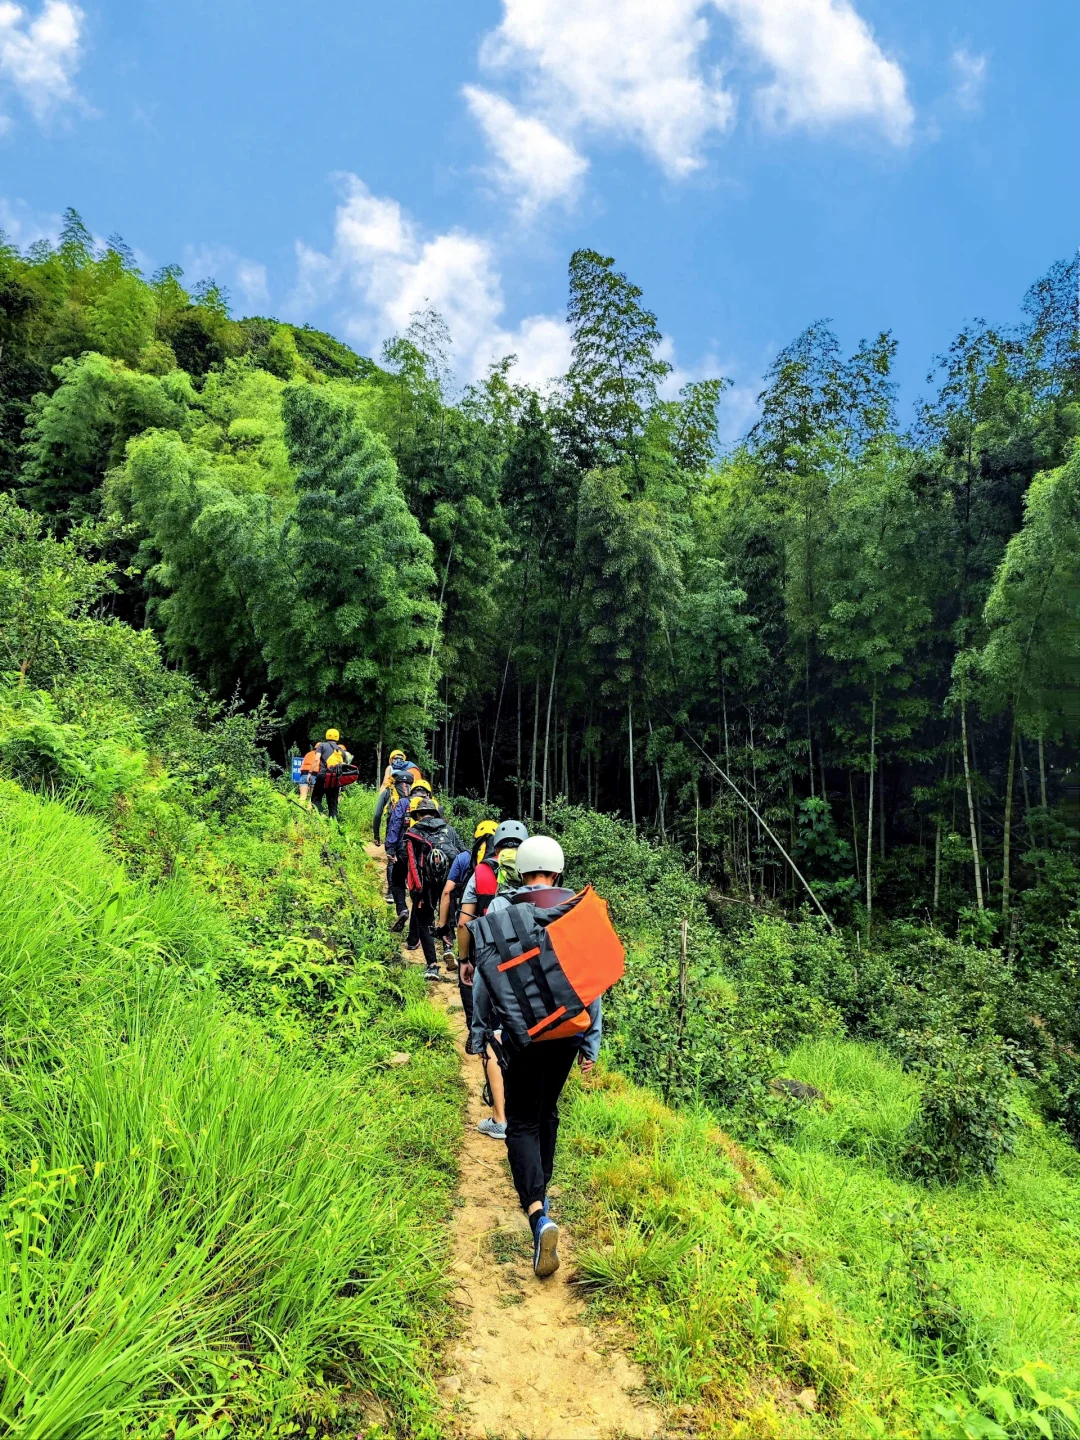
pixel 459 870
pixel 396 825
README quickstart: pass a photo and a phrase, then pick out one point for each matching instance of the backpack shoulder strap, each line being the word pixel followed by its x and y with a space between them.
pixel 525 933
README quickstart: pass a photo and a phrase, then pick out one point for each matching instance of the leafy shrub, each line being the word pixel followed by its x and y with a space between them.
pixel 1025 1401
pixel 967 1118
pixel 797 979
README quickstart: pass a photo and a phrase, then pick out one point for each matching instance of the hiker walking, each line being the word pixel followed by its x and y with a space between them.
pixel 332 755
pixel 494 871
pixel 397 787
pixel 543 957
pixel 399 765
pixel 309 773
pixel 397 859
pixel 431 846
pixel 461 872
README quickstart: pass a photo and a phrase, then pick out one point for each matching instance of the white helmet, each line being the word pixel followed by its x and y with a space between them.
pixel 540 854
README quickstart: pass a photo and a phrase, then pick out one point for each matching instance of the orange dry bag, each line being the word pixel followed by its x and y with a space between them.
pixel 545 958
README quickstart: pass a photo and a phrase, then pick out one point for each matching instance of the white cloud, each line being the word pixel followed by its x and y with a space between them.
pixel 970 73
pixel 828 67
pixel 542 346
pixel 532 162
pixel 388 269
pixel 251 281
pixel 39 57
pixel 233 271
pixel 22 226
pixel 641 71
pixel 738 409
pixel 628 67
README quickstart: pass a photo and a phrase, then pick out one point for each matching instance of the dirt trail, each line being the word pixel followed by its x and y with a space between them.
pixel 527 1366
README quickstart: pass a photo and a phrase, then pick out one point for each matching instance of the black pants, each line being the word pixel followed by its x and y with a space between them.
pixel 333 795
pixel 465 991
pixel 420 927
pixel 398 873
pixel 534 1078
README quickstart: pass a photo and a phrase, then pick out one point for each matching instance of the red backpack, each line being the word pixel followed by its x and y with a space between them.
pixel 486 880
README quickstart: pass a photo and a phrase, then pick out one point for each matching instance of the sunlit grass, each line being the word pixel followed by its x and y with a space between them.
pixel 739 1282
pixel 196 1219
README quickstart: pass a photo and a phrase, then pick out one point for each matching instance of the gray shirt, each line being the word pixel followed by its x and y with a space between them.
pixel 485 1021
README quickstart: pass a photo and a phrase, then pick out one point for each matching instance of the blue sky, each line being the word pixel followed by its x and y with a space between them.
pixel 753 164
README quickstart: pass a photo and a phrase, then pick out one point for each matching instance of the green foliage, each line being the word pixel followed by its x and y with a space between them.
pixel 238 1161
pixel 870 1102
pixel 1032 656
pixel 46 585
pixel 612 381
pixel 213 546
pixel 968 1120
pixel 630 560
pixel 360 625
pixel 1022 1402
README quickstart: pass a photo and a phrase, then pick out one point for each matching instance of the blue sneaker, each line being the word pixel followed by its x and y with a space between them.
pixel 547 1206
pixel 545 1249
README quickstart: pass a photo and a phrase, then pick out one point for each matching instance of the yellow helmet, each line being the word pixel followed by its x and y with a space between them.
pixel 486 827
pixel 423 785
pixel 333 735
pixel 398 755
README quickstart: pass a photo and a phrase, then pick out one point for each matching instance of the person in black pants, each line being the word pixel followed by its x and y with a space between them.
pixel 427 831
pixel 331 792
pixel 328 750
pixel 534 1077
pixel 397 856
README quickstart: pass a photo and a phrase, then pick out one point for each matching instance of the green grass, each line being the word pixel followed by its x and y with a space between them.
pixel 219 1218
pixel 1005 1256
pixel 739 1281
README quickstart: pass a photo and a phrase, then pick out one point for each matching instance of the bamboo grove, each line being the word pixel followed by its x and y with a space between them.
pixel 844 647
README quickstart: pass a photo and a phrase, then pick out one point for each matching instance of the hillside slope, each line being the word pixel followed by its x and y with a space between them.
pixel 222 1198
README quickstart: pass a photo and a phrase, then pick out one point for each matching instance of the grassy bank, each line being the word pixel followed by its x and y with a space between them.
pixel 812 1292
pixel 222 1200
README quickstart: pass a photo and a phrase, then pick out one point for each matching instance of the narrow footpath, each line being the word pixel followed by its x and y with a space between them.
pixel 527 1366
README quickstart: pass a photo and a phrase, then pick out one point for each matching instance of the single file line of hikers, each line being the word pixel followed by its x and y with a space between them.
pixel 534 960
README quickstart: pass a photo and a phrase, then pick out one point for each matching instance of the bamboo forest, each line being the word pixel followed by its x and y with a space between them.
pixel 803 706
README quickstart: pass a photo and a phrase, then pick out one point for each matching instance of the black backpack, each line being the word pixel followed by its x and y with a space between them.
pixel 433 850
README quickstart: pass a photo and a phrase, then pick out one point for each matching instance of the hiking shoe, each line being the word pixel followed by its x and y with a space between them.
pixel 400 923
pixel 545 1249
pixel 389 899
pixel 413 945
pixel 491 1127
pixel 431 972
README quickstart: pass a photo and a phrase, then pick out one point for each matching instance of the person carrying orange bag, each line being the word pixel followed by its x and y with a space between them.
pixel 544 956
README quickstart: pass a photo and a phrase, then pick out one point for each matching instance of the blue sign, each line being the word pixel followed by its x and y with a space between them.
pixel 297 761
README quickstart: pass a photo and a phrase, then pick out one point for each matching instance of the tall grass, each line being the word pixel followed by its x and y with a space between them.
pixel 740 1280
pixel 195 1221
